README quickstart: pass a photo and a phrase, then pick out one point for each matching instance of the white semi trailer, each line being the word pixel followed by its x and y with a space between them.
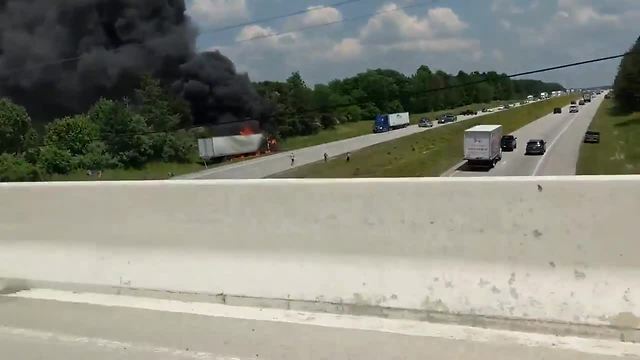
pixel 225 146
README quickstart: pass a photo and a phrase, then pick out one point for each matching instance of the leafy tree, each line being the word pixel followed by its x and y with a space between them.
pixel 155 106
pixel 96 158
pixel 16 133
pixel 124 133
pixel 16 169
pixel 327 121
pixel 54 160
pixel 626 86
pixel 173 147
pixel 299 95
pixel 73 134
pixel 351 113
pixel 367 94
pixel 369 111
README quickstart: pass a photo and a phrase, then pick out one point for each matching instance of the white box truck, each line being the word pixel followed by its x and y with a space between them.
pixel 219 147
pixel 482 145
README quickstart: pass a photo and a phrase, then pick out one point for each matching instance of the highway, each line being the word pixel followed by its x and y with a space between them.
pixel 562 132
pixel 103 327
pixel 269 165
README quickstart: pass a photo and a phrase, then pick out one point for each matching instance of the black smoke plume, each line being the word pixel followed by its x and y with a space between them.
pixel 58 57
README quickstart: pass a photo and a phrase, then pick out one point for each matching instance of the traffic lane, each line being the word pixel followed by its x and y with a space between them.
pixel 36 329
pixel 562 155
pixel 516 163
pixel 277 163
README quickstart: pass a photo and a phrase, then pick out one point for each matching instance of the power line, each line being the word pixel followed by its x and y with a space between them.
pixel 531 72
pixel 239 25
pixel 344 20
pixel 278 17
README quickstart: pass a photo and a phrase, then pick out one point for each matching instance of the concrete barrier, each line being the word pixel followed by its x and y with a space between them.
pixel 560 250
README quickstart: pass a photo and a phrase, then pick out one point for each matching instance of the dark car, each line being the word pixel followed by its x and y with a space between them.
pixel 573 102
pixel 592 137
pixel 448 118
pixel 468 112
pixel 425 123
pixel 581 102
pixel 509 143
pixel 536 147
pixel 557 110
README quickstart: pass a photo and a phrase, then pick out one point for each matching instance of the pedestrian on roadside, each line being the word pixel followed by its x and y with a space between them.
pixel 293 159
pixel 326 157
pixel 348 157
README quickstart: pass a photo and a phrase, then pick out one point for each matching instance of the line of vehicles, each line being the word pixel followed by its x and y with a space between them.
pixel 484 144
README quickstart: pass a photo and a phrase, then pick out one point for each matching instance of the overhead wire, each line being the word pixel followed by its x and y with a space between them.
pixel 229 27
pixel 444 88
pixel 344 20
pixel 279 17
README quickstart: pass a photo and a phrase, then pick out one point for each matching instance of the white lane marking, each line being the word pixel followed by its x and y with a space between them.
pixel 109 345
pixel 542 159
pixel 403 327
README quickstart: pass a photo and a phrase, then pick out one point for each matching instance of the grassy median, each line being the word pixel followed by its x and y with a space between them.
pixel 351 130
pixel 429 153
pixel 618 152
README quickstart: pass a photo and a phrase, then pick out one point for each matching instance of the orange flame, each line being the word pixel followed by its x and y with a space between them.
pixel 247 131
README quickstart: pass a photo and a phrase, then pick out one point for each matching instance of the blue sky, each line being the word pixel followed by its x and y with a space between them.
pixel 502 35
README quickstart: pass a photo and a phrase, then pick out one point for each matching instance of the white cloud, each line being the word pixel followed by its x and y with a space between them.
pixel 318 15
pixel 395 29
pixel 580 12
pixel 445 19
pixel 264 35
pixel 347 49
pixel 422 38
pixel 210 13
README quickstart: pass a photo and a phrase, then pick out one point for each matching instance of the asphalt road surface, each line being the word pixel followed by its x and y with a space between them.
pixel 277 163
pixel 563 133
pixel 58 330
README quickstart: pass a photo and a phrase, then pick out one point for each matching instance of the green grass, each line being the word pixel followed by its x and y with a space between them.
pixel 429 153
pixel 152 171
pixel 619 150
pixel 351 130
pixel 341 132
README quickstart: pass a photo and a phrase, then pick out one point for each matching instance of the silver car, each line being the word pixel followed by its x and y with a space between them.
pixel 425 123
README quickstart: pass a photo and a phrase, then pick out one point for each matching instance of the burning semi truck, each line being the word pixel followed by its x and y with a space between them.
pixel 248 142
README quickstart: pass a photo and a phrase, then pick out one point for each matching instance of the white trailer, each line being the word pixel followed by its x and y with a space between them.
pixel 217 147
pixel 544 95
pixel 399 120
pixel 482 145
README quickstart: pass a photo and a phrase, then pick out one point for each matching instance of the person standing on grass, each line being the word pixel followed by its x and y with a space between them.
pixel 326 157
pixel 293 159
pixel 348 157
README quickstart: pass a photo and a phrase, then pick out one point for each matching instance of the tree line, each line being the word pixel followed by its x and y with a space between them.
pixel 155 125
pixel 626 87
pixel 112 134
pixel 303 110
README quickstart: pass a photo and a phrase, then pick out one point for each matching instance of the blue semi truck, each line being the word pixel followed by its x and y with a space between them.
pixel 388 122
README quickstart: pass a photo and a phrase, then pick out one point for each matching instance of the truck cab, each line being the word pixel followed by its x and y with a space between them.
pixel 388 122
